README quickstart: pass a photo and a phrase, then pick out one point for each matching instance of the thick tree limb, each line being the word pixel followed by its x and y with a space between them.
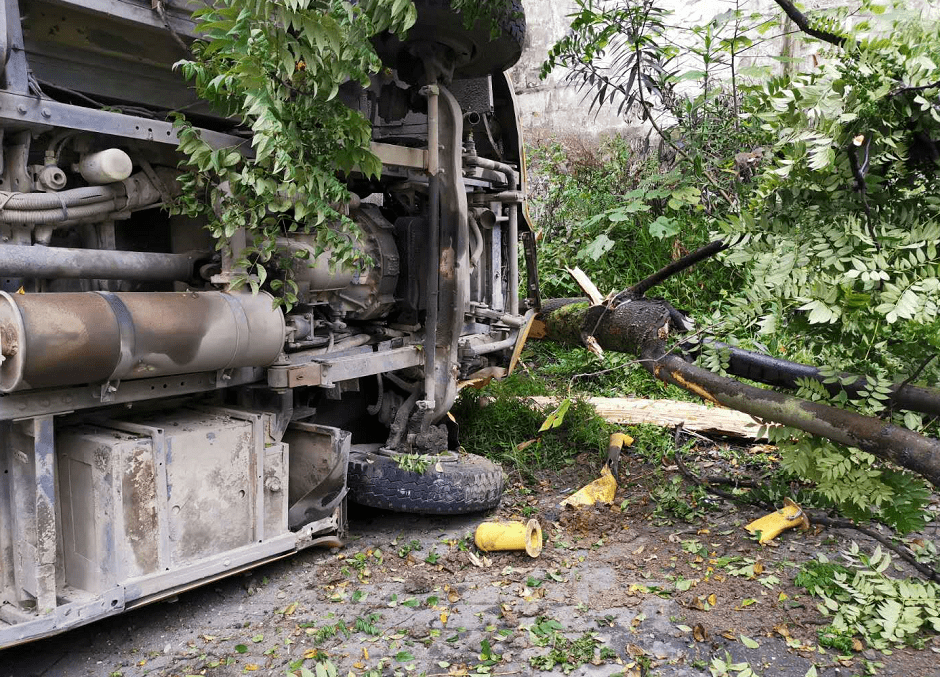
pixel 784 374
pixel 755 366
pixel 641 326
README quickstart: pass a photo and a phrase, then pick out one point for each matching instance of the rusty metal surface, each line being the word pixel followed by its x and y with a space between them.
pixel 401 156
pixel 150 504
pixel 144 495
pixel 29 403
pixel 327 371
pixel 60 343
pixel 71 338
pixel 454 272
pixel 318 464
pixel 63 262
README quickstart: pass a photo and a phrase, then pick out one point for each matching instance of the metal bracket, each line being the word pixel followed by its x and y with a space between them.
pixel 326 371
pixel 108 389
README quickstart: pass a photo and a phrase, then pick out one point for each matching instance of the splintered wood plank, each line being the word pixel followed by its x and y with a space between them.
pixel 669 413
pixel 586 285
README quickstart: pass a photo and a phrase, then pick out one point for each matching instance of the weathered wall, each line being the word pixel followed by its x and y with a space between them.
pixel 555 108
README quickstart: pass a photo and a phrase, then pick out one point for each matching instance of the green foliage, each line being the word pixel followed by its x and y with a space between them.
pixel 416 463
pixel 367 624
pixel 833 639
pixel 493 12
pixel 620 214
pixel 818 577
pixel 726 667
pixel 277 67
pixel 505 427
pixel 855 272
pixel 854 481
pixel 410 546
pixel 565 654
pixel 883 610
pixel 826 180
pixel 674 499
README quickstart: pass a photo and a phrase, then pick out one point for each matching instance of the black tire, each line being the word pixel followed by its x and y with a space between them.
pixel 468 484
pixel 478 53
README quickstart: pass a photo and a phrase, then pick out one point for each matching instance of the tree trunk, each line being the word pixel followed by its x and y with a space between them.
pixel 640 327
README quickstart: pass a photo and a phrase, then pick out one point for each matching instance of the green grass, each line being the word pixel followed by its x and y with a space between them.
pixel 496 420
pixel 562 369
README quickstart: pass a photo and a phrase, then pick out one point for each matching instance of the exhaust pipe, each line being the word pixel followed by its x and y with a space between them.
pixel 55 340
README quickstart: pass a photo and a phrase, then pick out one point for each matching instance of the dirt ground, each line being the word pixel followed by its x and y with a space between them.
pixel 410 595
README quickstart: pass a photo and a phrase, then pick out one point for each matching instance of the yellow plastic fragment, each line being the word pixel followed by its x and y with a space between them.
pixel 620 440
pixel 526 536
pixel 601 490
pixel 772 525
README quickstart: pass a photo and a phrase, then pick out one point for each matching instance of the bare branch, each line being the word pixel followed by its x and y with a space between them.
pixel 797 17
pixel 677 266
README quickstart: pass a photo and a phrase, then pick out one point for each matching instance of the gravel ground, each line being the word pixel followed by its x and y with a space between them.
pixel 409 595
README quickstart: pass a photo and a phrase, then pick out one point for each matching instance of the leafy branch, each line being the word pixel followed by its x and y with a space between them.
pixel 277 68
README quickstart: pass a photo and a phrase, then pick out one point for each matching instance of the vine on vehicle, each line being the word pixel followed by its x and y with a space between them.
pixel 277 68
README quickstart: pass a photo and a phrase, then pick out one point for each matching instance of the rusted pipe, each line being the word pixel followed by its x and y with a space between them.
pixel 494 346
pixel 505 197
pixel 96 264
pixel 60 339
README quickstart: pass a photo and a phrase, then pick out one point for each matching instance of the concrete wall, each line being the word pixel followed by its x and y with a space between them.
pixel 554 108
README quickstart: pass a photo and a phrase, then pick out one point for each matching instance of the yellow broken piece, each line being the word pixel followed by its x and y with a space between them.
pixel 527 536
pixel 772 525
pixel 617 442
pixel 601 490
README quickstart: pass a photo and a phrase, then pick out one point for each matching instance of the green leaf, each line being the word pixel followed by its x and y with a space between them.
pixel 557 417
pixel 663 227
pixel 749 643
pixel 597 248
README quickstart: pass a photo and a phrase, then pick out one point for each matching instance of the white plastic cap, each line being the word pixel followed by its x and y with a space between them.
pixel 106 166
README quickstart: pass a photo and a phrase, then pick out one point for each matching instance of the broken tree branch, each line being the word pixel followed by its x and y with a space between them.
pixel 779 373
pixel 692 477
pixel 802 22
pixel 677 266
pixel 887 441
pixel 920 88
pixel 641 327
pixel 858 173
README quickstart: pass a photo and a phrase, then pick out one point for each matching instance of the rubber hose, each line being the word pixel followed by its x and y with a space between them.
pixel 58 215
pixel 40 201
